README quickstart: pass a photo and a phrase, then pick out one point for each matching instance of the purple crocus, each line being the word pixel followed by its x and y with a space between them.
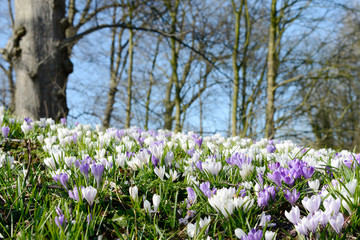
pixel 276 177
pixel 191 196
pixel 63 121
pixel 308 172
pixel 287 178
pixel 63 178
pixel 60 220
pixel 97 170
pixel 198 142
pixel 141 141
pixel 58 211
pixel 260 178
pixel 154 160
pixel 28 120
pixel 199 165
pixel 253 235
pixel 84 169
pixel 191 152
pixel 270 148
pixel 74 194
pixel 292 196
pixel 205 188
pixel 263 198
pixel 5 130
pixel 265 195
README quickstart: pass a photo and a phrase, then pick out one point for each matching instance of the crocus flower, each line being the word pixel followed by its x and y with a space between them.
pixel 264 220
pixel 314 185
pixel 172 174
pixel 293 215
pixel 84 169
pixel 311 223
pixel 58 211
pixel 63 178
pixel 308 172
pixel 312 204
pixel 60 221
pixel 156 201
pixel 198 142
pixel 270 148
pixel 292 196
pixel 337 222
pixel 239 233
pixel 255 235
pixel 269 235
pixel 205 188
pixel 5 130
pixel 74 194
pixel 276 177
pixel 263 198
pixel 63 121
pixel 301 227
pixel 97 170
pixel 191 230
pixel 154 160
pixel 199 165
pixel 191 196
pixel 332 206
pixel 134 193
pixel 89 194
pixel 147 206
pixel 160 172
pixel 265 195
pixel 205 222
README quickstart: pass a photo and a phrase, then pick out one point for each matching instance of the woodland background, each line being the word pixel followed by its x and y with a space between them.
pixel 249 68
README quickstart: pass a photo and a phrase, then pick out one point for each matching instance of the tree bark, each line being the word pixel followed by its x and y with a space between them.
pixel 129 83
pixel 168 103
pixel 40 65
pixel 271 73
pixel 236 68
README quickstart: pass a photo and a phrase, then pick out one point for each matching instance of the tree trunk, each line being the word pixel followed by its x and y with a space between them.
pixel 271 73
pixel 168 103
pixel 236 68
pixel 129 86
pixel 40 65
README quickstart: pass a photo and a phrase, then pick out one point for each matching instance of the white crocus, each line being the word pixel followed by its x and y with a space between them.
pixel 314 185
pixel 204 222
pixel 294 215
pixel 337 222
pixel 269 235
pixel 191 230
pixel 239 233
pixel 120 159
pixel 246 170
pixel 156 201
pixel 173 175
pixel 134 193
pixel 312 204
pixel 160 172
pixel 69 161
pixel 147 206
pixel 89 194
pixel 50 163
pixel 351 186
